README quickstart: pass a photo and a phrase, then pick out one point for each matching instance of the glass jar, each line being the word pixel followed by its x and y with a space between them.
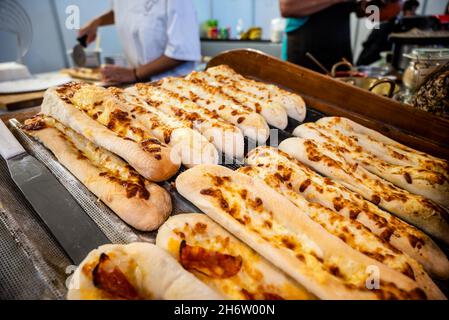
pixel 423 61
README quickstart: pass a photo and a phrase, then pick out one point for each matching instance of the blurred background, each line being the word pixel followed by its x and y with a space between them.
pixel 218 18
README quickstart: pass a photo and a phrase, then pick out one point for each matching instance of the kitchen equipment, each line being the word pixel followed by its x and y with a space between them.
pixel 73 229
pixel 83 58
pixel 319 64
pixel 20 101
pixel 422 63
pixel 369 78
pixel 406 42
pixel 14 19
pixel 277 30
pixel 10 71
pixel 37 82
pixel 383 86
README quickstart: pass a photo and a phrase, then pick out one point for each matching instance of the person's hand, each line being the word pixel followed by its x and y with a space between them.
pixel 114 74
pixel 90 29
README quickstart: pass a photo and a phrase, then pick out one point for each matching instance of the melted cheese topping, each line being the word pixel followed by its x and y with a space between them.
pixel 398 153
pixel 350 231
pixel 248 99
pixel 379 191
pixel 207 97
pixel 178 106
pixel 249 282
pixel 249 211
pixel 343 201
pixel 268 92
pixel 113 275
pixel 102 106
pixel 111 166
pixel 348 145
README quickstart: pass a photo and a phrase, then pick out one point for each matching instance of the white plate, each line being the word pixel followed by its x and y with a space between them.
pixel 38 82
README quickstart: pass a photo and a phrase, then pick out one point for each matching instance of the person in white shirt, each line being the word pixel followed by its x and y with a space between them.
pixel 159 38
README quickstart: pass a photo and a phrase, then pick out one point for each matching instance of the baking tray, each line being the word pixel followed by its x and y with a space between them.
pixel 27 247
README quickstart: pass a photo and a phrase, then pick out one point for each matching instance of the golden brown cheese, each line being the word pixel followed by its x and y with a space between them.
pixel 211 263
pixel 226 196
pixel 249 276
pixel 112 167
pixel 349 230
pixel 103 106
pixel 286 165
pixel 111 280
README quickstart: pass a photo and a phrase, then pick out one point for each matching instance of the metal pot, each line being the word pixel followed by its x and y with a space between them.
pixel 381 86
pixel 423 62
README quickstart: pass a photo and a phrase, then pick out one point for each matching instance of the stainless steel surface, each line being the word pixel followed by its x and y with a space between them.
pixel 27 246
pixel 79 56
pixel 211 48
pixel 68 222
pixel 32 264
pixel 65 218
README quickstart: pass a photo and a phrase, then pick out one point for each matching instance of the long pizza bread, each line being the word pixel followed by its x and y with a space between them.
pixel 414 178
pixel 191 146
pixel 321 262
pixel 223 262
pixel 225 136
pixel 334 196
pixel 412 208
pixel 112 131
pixel 137 271
pixel 384 147
pixel 84 73
pixel 352 232
pixel 139 202
pixel 274 114
pixel 252 124
pixel 293 103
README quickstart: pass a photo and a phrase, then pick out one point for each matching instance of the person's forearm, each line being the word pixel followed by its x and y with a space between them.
pixel 301 8
pixel 161 64
pixel 106 19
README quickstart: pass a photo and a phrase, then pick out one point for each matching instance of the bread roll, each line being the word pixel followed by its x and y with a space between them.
pixel 271 94
pixel 151 158
pixel 271 225
pixel 137 271
pixel 225 136
pixel 334 196
pixel 412 208
pixel 352 232
pixel 140 203
pixel 252 124
pixel 223 262
pixel 424 180
pixel 273 113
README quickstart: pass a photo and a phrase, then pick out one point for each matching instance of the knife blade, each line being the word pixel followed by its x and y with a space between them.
pixel 74 230
pixel 78 53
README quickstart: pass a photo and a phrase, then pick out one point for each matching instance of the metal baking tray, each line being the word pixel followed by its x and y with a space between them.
pixel 33 266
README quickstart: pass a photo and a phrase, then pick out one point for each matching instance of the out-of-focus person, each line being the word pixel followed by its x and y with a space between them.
pixel 378 41
pixel 159 38
pixel 322 28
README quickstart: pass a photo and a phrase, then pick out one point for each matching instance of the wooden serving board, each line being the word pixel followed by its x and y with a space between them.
pixel 21 100
pixel 412 127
